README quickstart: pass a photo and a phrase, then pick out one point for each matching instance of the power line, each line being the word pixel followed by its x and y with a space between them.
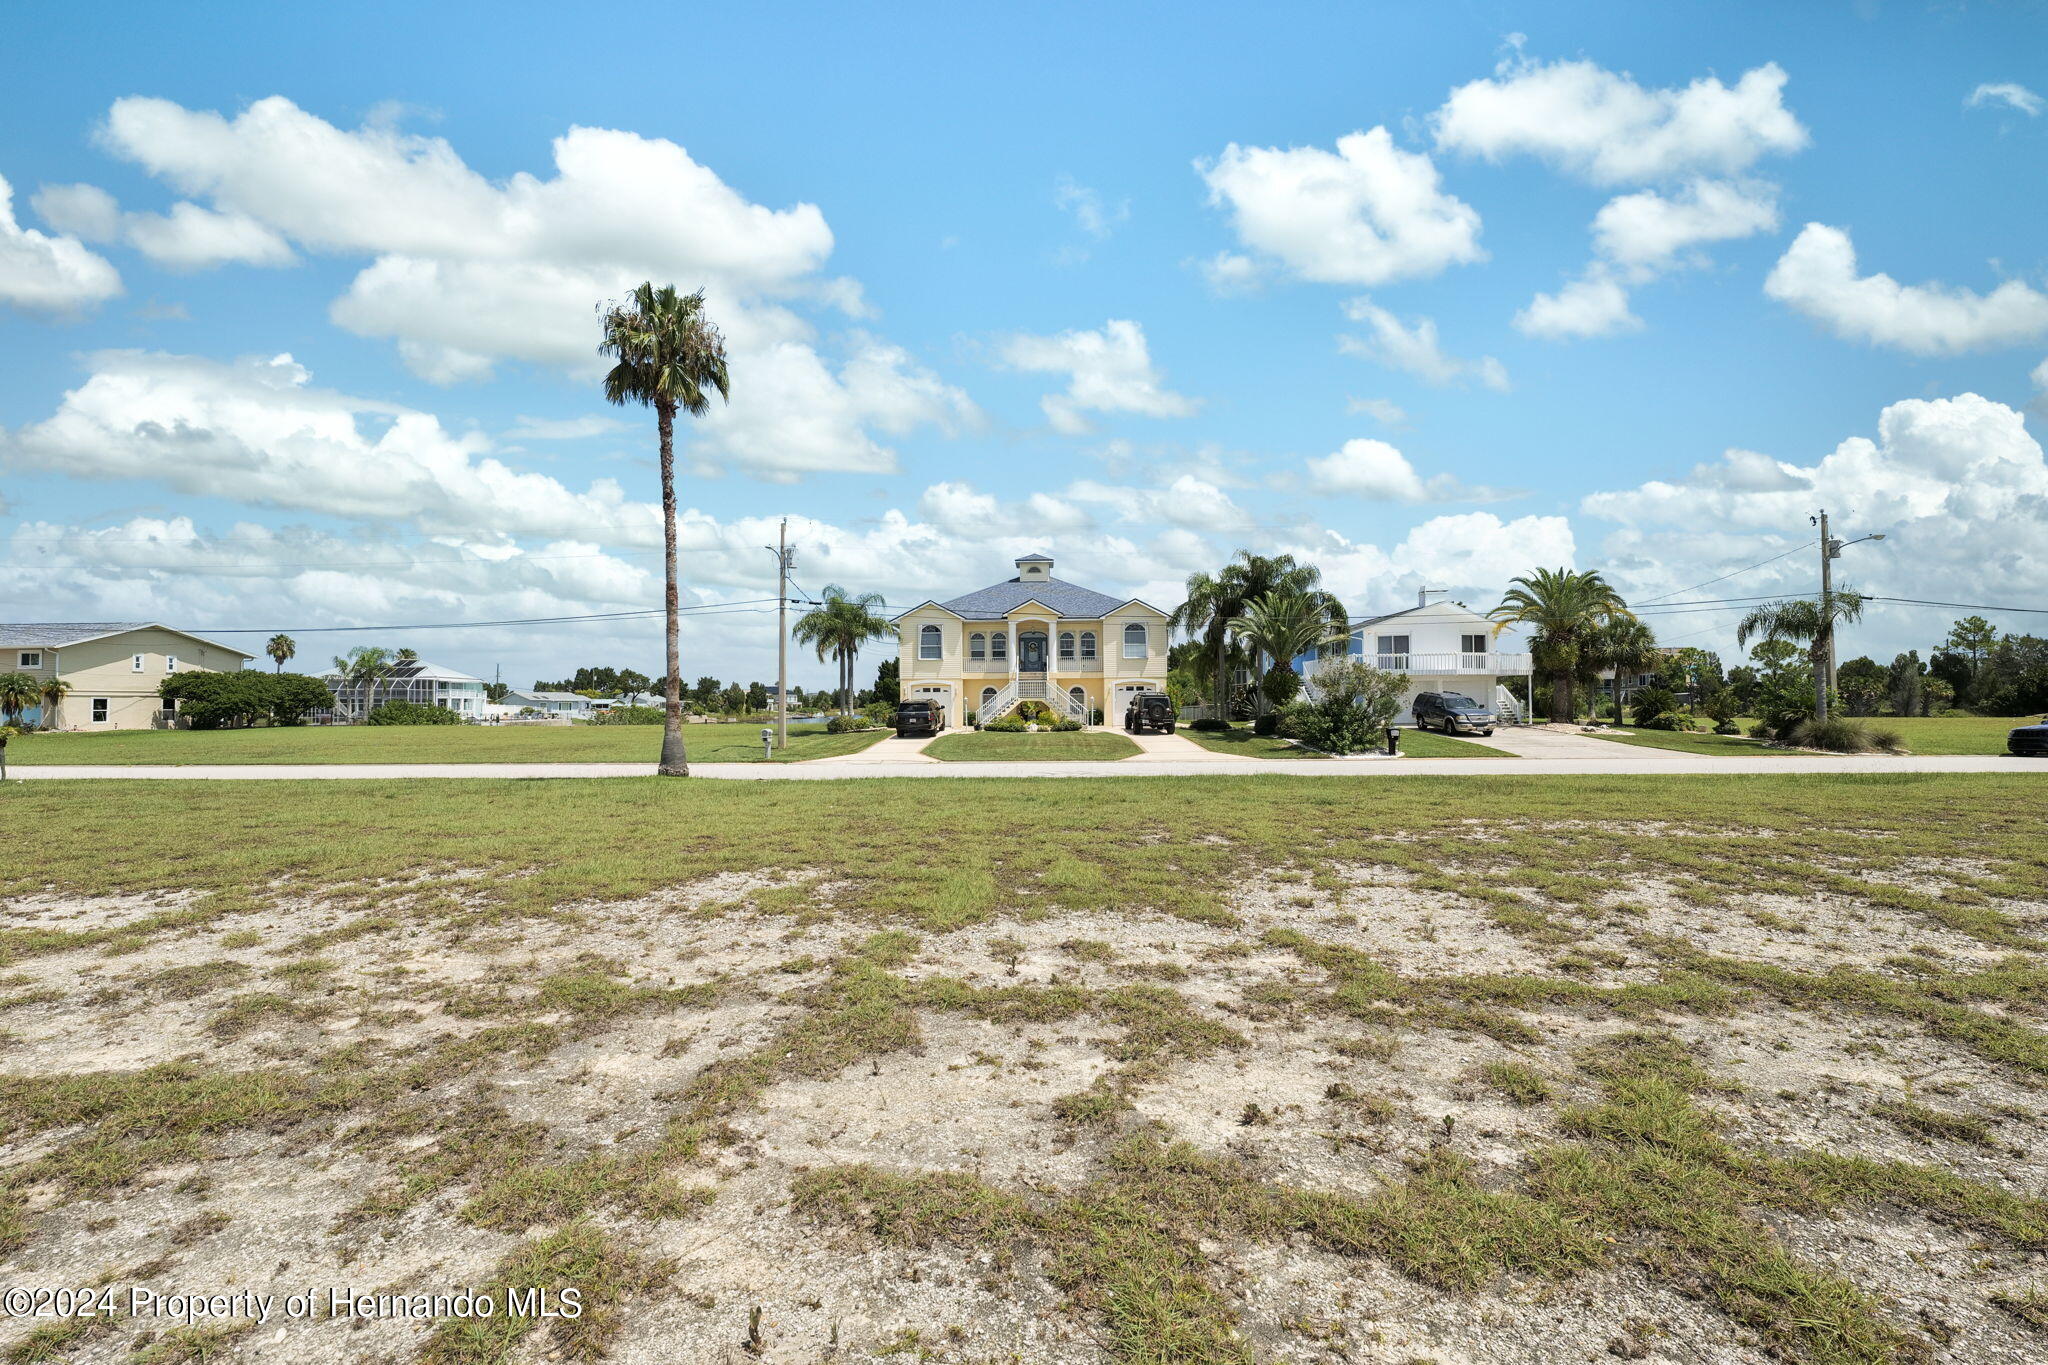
pixel 1711 581
pixel 703 609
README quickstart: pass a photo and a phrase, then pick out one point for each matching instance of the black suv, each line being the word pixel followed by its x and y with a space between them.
pixel 920 718
pixel 2029 740
pixel 1451 712
pixel 1149 711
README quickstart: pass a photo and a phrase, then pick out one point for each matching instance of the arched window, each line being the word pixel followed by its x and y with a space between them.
pixel 1087 644
pixel 977 646
pixel 998 646
pixel 1080 696
pixel 1066 644
pixel 1134 641
pixel 988 694
pixel 928 642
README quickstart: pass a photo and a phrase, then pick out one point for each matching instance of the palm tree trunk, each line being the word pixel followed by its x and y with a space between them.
pixel 675 761
pixel 1222 677
pixel 1563 705
pixel 1821 681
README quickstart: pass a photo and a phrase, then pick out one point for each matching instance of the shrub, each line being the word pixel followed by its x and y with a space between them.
pixel 971 716
pixel 846 725
pixel 630 715
pixel 1651 704
pixel 1837 734
pixel 1268 724
pixel 1066 723
pixel 1011 724
pixel 880 712
pixel 1727 727
pixel 219 701
pixel 1029 711
pixel 411 713
pixel 1208 723
pixel 1886 738
pixel 1349 703
pixel 1664 720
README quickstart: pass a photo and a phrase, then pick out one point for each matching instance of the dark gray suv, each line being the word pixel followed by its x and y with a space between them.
pixel 1451 712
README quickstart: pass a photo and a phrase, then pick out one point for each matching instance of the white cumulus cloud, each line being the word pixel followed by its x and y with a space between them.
pixel 1604 127
pixel 1366 468
pixel 1593 305
pixel 1413 347
pixel 52 274
pixel 1110 370
pixel 1367 213
pixel 1817 276
pixel 2011 94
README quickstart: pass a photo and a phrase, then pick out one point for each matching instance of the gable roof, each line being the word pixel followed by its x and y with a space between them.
pixel 57 634
pixel 547 696
pixel 1463 613
pixel 433 672
pixel 1063 599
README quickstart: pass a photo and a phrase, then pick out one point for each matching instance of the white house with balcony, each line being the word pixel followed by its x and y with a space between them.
pixel 1032 638
pixel 1442 647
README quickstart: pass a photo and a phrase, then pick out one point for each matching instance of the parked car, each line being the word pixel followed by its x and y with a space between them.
pixel 1149 711
pixel 920 718
pixel 2029 741
pixel 1451 712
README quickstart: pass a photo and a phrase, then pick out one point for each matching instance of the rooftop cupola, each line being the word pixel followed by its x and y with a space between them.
pixel 1034 568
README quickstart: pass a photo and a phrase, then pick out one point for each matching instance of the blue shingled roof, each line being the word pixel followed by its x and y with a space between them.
pixel 998 600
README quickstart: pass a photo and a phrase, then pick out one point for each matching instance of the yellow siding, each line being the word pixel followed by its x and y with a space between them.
pixel 105 668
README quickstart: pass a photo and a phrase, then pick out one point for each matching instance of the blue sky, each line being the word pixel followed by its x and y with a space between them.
pixel 1427 295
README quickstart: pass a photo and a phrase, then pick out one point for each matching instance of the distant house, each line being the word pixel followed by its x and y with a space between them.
pixel 113 667
pixel 574 705
pixel 1031 638
pixel 1442 647
pixel 428 684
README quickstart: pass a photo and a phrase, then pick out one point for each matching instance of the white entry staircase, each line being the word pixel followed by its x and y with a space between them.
pixel 1507 708
pixel 1031 687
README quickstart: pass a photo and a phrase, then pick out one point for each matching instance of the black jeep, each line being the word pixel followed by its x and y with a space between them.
pixel 920 718
pixel 1149 711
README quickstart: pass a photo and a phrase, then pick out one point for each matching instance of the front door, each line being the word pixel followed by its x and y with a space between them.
pixel 1031 652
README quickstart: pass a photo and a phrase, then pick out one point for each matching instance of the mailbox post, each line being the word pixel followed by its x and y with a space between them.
pixel 767 741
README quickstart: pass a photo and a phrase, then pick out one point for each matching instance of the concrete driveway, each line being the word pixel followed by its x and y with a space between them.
pixel 1536 741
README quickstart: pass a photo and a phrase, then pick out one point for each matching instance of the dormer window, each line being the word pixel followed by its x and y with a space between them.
pixel 1034 568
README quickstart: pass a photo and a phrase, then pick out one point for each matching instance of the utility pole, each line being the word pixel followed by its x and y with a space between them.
pixel 783 557
pixel 1824 670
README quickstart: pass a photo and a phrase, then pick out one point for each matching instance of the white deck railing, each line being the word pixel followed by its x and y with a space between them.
pixel 1451 664
pixel 1031 687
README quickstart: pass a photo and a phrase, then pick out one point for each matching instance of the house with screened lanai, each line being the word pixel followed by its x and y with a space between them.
pixel 1034 637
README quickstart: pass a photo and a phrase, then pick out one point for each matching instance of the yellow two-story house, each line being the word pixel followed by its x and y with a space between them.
pixel 1032 638
pixel 113 668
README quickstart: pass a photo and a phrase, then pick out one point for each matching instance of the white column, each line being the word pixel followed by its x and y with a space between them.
pixel 1014 665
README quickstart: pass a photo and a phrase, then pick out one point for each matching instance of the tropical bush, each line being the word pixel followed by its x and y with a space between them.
pixel 1268 724
pixel 222 701
pixel 1727 727
pixel 1346 708
pixel 1012 724
pixel 1668 720
pixel 629 715
pixel 411 713
pixel 1651 703
pixel 1886 738
pixel 1838 734
pixel 1208 723
pixel 846 725
pixel 879 712
pixel 971 717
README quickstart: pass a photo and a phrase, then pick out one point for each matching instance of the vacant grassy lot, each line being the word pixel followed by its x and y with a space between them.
pixel 1260 1069
pixel 712 743
pixel 997 746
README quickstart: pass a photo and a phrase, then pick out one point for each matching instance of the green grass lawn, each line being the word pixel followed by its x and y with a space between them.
pixel 1428 744
pixel 1239 741
pixel 1723 745
pixel 1921 735
pixel 714 743
pixel 996 746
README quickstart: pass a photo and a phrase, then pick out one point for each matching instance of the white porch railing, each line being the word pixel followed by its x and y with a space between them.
pixel 1031 687
pixel 1437 665
pixel 1506 705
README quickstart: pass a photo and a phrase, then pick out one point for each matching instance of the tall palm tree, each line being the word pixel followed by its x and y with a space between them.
pixel 1566 608
pixel 1208 609
pixel 18 692
pixel 1805 621
pixel 839 626
pixel 1252 577
pixel 363 668
pixel 1288 622
pixel 1628 646
pixel 52 693
pixel 281 647
pixel 670 357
